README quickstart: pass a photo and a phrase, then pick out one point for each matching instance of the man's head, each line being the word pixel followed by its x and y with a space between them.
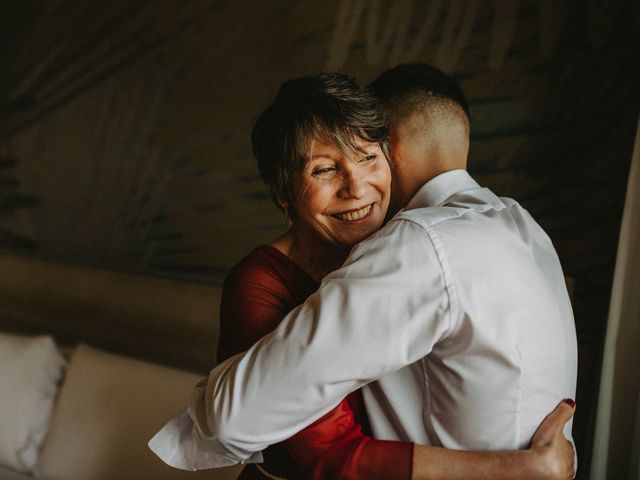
pixel 429 125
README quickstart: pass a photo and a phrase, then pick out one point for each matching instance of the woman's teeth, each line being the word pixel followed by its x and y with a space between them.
pixel 355 215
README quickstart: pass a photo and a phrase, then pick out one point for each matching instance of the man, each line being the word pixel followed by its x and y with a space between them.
pixel 457 307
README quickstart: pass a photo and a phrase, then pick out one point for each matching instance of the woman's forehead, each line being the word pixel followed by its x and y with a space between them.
pixel 325 143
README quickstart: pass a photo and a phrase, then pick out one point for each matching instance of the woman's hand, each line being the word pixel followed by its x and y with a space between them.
pixel 555 451
pixel 549 457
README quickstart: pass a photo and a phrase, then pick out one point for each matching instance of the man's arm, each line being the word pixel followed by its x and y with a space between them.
pixel 383 310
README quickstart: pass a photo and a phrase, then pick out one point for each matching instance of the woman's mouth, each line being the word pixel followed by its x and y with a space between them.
pixel 354 215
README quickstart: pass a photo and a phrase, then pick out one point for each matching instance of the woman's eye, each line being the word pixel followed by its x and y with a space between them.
pixel 370 158
pixel 324 172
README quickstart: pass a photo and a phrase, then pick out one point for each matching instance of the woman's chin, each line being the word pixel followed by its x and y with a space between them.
pixel 352 240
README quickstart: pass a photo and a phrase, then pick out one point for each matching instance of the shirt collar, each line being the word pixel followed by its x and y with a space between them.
pixel 440 188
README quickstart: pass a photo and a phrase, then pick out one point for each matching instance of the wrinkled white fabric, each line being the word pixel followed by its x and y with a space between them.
pixel 459 311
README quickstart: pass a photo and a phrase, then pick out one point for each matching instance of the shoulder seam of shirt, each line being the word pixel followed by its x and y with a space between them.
pixel 459 212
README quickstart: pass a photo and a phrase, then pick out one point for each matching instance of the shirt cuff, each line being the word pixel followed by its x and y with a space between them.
pixel 177 446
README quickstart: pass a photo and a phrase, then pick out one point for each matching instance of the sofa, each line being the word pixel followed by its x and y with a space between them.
pixel 94 363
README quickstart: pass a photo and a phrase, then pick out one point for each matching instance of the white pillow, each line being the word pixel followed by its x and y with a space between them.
pixel 109 408
pixel 30 372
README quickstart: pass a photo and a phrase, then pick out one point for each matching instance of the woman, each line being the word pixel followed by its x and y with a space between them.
pixel 322 149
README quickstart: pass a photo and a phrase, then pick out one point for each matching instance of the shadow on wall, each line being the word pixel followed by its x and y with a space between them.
pixel 12 204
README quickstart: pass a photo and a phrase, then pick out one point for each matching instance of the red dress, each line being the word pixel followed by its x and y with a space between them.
pixel 257 295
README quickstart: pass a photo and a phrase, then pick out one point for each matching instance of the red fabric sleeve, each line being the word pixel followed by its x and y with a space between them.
pixel 256 297
pixel 335 447
pixel 257 294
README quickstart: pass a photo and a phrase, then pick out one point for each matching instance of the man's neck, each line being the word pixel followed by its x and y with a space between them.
pixel 417 179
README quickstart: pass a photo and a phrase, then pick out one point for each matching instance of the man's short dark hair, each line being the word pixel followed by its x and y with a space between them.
pixel 330 106
pixel 404 88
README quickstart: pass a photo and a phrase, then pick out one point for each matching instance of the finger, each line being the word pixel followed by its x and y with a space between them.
pixel 560 415
pixel 555 421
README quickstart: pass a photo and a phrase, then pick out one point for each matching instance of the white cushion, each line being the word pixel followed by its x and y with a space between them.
pixel 31 369
pixel 109 408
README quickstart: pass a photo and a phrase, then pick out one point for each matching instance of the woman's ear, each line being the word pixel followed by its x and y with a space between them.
pixel 284 206
pixel 281 201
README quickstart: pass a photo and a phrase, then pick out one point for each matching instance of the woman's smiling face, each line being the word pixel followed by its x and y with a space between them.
pixel 342 197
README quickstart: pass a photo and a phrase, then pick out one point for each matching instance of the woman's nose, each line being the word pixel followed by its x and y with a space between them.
pixel 354 185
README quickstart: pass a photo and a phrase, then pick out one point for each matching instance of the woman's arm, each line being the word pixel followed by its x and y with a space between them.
pixel 336 447
pixel 354 455
pixel 550 456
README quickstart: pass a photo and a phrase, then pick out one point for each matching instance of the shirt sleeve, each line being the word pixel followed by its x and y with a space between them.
pixel 384 309
pixel 334 446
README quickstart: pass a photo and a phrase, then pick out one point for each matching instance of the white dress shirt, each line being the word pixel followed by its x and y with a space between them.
pixel 454 318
